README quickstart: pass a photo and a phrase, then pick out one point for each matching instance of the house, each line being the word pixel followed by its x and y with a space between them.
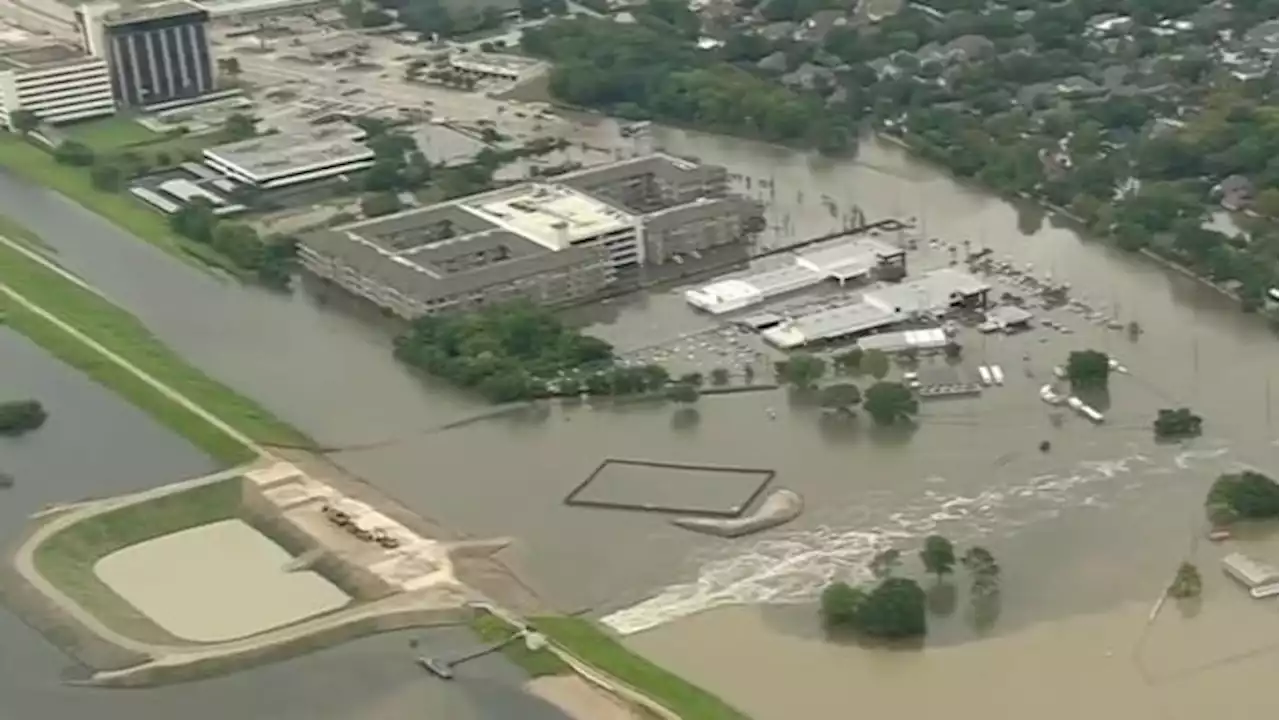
pixel 1104 24
pixel 884 68
pixel 816 28
pixel 960 50
pixel 1262 38
pixel 778 31
pixel 1235 192
pixel 774 63
pixel 809 77
pixel 1079 85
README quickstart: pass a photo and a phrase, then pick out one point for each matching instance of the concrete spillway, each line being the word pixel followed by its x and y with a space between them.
pixel 779 507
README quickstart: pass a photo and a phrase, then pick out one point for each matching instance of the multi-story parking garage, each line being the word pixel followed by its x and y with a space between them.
pixel 58 83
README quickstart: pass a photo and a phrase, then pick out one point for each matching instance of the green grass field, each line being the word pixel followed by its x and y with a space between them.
pixel 594 646
pixel 38 167
pixel 110 133
pixel 536 663
pixel 67 558
pixel 124 335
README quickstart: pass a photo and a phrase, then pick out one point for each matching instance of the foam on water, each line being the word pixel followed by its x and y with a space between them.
pixel 793 567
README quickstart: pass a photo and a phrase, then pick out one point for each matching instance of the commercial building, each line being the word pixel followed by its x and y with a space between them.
pixel 926 297
pixel 493 65
pixel 158 54
pixel 551 242
pixel 843 260
pixel 246 9
pixel 275 161
pixel 58 83
pixel 543 243
pixel 684 206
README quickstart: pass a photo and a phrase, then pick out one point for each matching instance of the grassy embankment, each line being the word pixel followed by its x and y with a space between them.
pixel 38 167
pixel 124 335
pixel 591 644
pixel 67 558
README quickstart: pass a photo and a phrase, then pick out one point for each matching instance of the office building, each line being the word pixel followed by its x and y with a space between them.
pixel 542 243
pixel 58 83
pixel 158 54
pixel 552 242
pixel 282 160
pixel 685 207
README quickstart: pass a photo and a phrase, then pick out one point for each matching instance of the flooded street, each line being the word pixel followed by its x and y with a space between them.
pixel 95 445
pixel 1086 534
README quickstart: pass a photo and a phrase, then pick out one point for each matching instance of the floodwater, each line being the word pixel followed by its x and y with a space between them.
pixel 1092 528
pixel 96 445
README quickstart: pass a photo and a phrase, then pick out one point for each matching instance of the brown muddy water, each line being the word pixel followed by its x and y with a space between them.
pixel 1086 534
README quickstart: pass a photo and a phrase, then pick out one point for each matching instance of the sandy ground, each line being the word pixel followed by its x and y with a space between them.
pixel 578 699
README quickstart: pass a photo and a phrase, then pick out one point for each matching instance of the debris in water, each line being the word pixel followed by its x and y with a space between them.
pixel 1045 446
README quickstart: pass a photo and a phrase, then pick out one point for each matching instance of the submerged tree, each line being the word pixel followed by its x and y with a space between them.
pixel 1179 424
pixel 1088 369
pixel 1186 582
pixel 841 397
pixel 1245 495
pixel 938 555
pixel 889 403
pixel 18 417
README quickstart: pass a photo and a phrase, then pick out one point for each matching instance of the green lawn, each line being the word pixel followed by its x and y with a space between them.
pixel 67 558
pixel 591 644
pixel 123 334
pixel 38 167
pixel 110 133
pixel 492 629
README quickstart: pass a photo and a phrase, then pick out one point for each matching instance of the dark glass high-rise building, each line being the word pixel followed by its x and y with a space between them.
pixel 157 53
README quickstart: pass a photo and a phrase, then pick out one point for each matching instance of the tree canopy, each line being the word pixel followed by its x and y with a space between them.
pixel 889 403
pixel 1246 495
pixel 801 370
pixel 938 555
pixel 1186 582
pixel 18 417
pixel 894 609
pixel 1088 369
pixel 1176 424
pixel 841 396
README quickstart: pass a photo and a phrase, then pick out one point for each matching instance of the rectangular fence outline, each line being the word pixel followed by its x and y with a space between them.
pixel 573 499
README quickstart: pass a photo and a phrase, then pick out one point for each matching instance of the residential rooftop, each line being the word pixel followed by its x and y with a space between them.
pixel 159 11
pixel 39 57
pixel 514 63
pixel 280 152
pixel 553 216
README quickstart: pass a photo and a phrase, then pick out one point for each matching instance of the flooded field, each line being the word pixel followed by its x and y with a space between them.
pixel 1086 533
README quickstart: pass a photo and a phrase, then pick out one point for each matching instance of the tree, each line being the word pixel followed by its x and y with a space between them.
pixel 106 176
pixel 875 363
pixel 18 417
pixel 23 121
pixel 849 361
pixel 889 403
pixel 839 604
pixel 802 370
pixel 952 350
pixel 380 203
pixel 194 220
pixel 693 379
pixel 719 377
pixel 229 66
pixel 895 609
pixel 1176 424
pixel 683 393
pixel 841 397
pixel 938 555
pixel 1186 582
pixel 1246 495
pixel 1088 369
pixel 239 126
pixel 70 152
pixel 884 563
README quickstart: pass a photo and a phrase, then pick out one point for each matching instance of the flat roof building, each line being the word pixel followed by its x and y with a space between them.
pixel 158 54
pixel 285 159
pixel 561 242
pixel 886 305
pixel 493 65
pixel 841 260
pixel 58 83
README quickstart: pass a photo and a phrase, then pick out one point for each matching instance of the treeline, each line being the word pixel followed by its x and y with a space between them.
pixel 652 70
pixel 272 259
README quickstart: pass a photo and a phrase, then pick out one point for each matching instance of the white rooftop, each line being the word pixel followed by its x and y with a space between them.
pixel 830 323
pixel 846 258
pixel 553 216
pixel 933 291
pixel 268 155
pixel 732 294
